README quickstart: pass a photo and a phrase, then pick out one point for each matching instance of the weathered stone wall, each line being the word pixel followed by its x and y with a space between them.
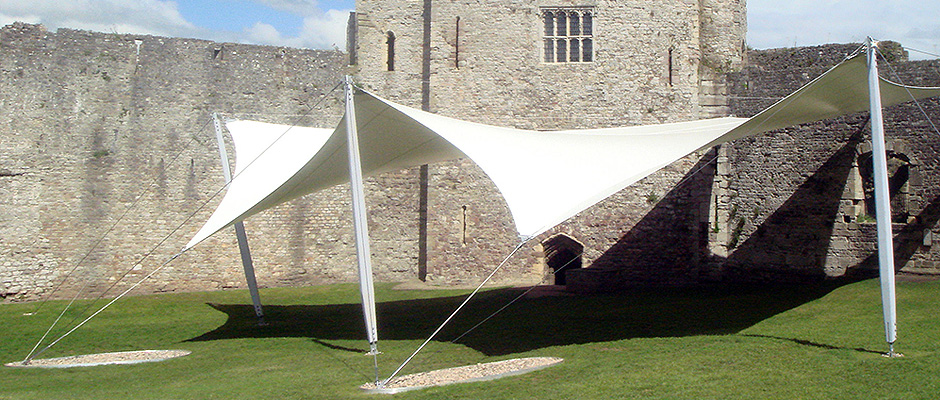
pixel 96 124
pixel 484 63
pixel 489 68
pixel 108 138
pixel 795 203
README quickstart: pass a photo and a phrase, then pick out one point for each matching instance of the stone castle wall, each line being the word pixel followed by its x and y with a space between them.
pixel 789 205
pixel 108 138
pixel 796 198
pixel 468 73
pixel 97 124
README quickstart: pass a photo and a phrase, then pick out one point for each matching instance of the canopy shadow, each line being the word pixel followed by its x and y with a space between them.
pixel 792 243
pixel 532 322
pixel 666 246
pixel 908 239
pixel 669 246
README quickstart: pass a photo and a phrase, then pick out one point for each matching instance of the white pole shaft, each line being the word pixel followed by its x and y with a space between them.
pixel 223 154
pixel 882 199
pixel 240 234
pixel 360 223
pixel 249 268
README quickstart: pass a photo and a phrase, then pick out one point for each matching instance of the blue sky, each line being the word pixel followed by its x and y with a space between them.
pixel 321 23
pixel 234 16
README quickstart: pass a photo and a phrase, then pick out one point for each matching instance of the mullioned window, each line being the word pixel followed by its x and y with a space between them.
pixel 568 36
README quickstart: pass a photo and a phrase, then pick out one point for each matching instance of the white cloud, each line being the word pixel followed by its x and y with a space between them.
pixel 320 30
pixel 774 23
pixel 263 33
pixel 9 19
pixel 324 31
pixel 327 30
pixel 153 17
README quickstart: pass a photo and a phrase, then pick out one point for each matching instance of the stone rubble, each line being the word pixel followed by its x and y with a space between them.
pixel 87 360
pixel 467 373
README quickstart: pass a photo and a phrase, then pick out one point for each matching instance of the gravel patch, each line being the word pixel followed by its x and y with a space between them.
pixel 88 360
pixel 469 373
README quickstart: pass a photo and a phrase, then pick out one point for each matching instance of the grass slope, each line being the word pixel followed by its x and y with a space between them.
pixel 790 342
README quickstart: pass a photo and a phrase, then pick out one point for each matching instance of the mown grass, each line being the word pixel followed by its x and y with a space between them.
pixel 819 341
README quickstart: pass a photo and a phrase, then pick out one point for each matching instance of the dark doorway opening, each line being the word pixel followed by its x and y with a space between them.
pixel 899 172
pixel 562 254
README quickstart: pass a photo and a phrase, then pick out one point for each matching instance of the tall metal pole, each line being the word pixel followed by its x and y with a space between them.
pixel 361 226
pixel 882 201
pixel 240 229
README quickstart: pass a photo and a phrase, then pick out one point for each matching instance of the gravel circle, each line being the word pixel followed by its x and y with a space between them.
pixel 469 373
pixel 88 360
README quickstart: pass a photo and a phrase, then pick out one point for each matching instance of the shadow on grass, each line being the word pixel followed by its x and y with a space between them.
pixel 814 344
pixel 531 323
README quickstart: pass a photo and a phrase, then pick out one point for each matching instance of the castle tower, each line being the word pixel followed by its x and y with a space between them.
pixel 549 64
pixel 541 65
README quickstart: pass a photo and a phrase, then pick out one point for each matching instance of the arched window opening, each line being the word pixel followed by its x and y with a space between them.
pixel 587 23
pixel 457 44
pixel 561 23
pixel 562 254
pixel 574 24
pixel 463 229
pixel 899 173
pixel 549 19
pixel 390 43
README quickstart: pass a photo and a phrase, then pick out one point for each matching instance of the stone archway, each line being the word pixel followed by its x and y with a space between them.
pixel 900 169
pixel 562 253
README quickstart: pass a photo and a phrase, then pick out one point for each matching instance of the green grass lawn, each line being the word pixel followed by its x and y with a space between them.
pixel 820 341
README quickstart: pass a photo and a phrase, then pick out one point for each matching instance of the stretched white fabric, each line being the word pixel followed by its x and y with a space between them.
pixel 525 164
pixel 840 91
pixel 594 164
pixel 266 155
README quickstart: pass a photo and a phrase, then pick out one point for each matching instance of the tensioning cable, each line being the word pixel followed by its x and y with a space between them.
pixel 908 90
pixel 460 307
pixel 32 354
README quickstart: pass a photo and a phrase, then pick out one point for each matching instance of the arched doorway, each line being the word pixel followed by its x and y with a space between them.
pixel 562 253
pixel 899 173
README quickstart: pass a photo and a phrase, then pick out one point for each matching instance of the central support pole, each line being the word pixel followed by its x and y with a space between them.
pixel 240 230
pixel 360 223
pixel 882 201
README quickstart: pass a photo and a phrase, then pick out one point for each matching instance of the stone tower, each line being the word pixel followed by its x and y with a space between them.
pixel 542 65
pixel 533 63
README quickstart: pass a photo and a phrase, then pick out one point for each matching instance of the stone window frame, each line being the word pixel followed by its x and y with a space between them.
pixel 901 169
pixel 578 43
pixel 390 50
pixel 905 182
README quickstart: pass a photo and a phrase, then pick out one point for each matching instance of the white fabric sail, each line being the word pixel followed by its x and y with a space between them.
pixel 840 91
pixel 599 162
pixel 266 155
pixel 594 163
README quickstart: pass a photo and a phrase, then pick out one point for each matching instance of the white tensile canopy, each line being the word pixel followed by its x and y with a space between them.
pixel 277 163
